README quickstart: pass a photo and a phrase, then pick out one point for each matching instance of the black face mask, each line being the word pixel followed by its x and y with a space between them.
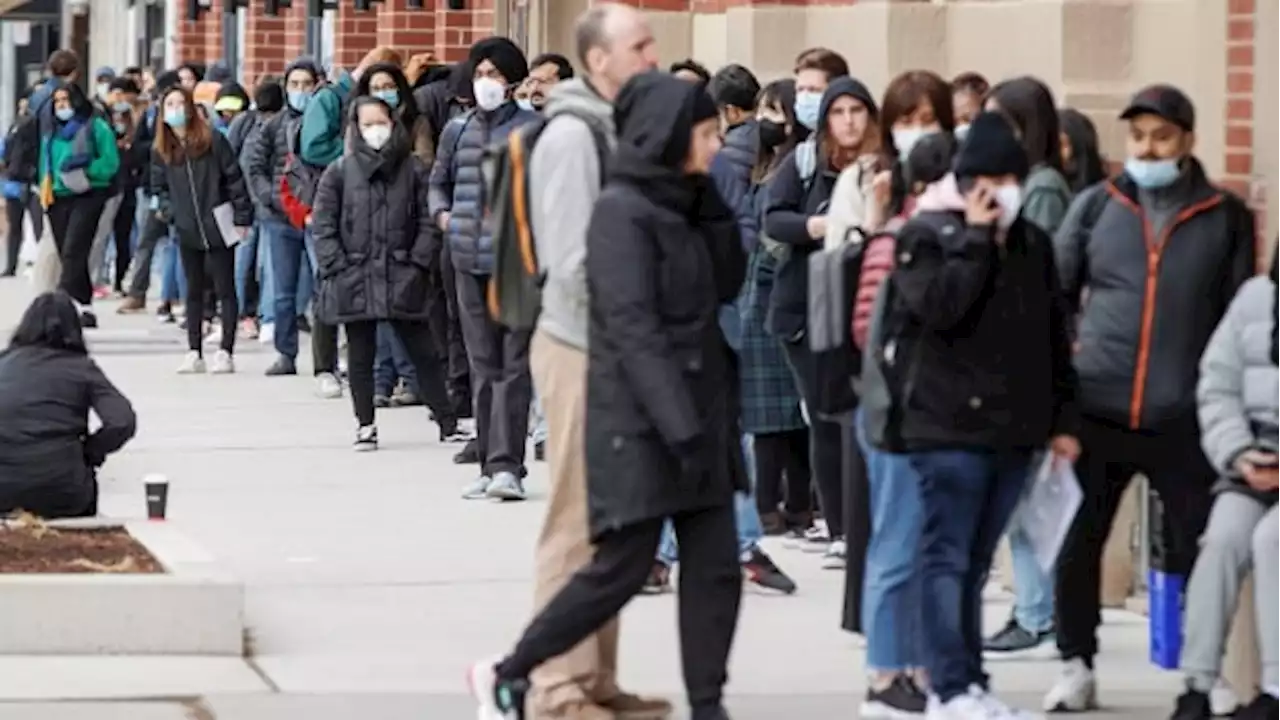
pixel 772 134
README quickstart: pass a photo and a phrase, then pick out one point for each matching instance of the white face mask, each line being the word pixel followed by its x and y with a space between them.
pixel 489 93
pixel 103 89
pixel 376 136
pixel 1009 197
pixel 906 138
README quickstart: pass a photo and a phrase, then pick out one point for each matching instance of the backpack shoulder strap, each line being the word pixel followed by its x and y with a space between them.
pixel 1097 203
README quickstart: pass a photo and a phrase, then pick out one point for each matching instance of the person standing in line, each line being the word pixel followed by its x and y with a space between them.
pixel 1162 252
pixel 194 174
pixel 968 89
pixel 662 254
pixel 134 163
pixel 374 252
pixel 614 42
pixel 499 356
pixel 78 165
pixel 1082 161
pixel 18 199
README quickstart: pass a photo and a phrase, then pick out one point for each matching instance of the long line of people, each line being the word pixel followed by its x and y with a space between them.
pixel 999 298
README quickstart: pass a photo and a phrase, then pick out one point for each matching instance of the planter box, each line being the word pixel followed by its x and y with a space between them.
pixel 192 609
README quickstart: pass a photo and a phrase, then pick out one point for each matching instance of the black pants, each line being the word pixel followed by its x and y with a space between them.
pixel 74 221
pixel 826 441
pixel 449 339
pixel 122 234
pixel 1179 473
pixel 779 454
pixel 15 209
pixel 153 231
pixel 324 348
pixel 500 382
pixel 857 520
pixel 710 592
pixel 221 262
pixel 362 349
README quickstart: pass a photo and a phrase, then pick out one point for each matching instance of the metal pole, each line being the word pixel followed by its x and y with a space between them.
pixel 231 39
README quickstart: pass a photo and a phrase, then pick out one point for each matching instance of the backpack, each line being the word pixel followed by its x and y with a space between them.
pixel 299 180
pixel 515 288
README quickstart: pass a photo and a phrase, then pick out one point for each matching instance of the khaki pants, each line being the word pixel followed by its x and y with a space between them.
pixel 587 672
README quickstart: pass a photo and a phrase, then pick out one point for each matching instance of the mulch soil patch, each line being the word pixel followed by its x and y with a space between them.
pixel 45 550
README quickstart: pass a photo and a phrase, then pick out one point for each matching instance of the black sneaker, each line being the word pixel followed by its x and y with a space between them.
pixel 450 432
pixel 659 580
pixel 1193 705
pixel 468 455
pixel 900 698
pixel 366 438
pixel 282 366
pixel 760 570
pixel 1263 707
pixel 540 451
pixel 1014 638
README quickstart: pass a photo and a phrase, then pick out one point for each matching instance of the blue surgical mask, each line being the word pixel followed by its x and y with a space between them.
pixel 808 109
pixel 64 114
pixel 526 104
pixel 122 107
pixel 175 118
pixel 390 97
pixel 298 99
pixel 121 128
pixel 1152 174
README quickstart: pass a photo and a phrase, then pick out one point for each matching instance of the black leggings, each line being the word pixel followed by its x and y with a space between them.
pixel 74 221
pixel 710 592
pixel 221 262
pixel 778 454
pixel 122 232
pixel 362 349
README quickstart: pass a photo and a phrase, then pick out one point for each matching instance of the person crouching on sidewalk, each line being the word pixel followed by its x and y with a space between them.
pixel 1237 403
pixel 375 251
pixel 977 357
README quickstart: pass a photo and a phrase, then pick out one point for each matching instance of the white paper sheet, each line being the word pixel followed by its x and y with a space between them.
pixel 224 216
pixel 1048 507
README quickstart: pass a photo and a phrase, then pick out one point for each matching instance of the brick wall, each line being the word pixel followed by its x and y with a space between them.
pixel 1239 171
pixel 200 40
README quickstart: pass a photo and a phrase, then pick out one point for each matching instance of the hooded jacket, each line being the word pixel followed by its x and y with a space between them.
pixel 267 150
pixel 1161 269
pixel 457 181
pixel 791 202
pixel 565 170
pixel 663 253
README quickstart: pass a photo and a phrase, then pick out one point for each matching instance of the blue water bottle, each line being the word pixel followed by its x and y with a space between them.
pixel 1165 583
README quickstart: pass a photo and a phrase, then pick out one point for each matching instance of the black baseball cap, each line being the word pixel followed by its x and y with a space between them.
pixel 1165 101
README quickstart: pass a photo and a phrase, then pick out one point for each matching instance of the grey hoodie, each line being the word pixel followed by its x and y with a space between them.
pixel 565 175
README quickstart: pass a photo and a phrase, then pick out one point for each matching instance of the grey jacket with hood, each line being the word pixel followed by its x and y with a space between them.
pixel 266 150
pixel 565 171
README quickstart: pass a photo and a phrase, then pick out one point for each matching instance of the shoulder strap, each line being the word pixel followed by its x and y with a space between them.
pixel 807 161
pixel 1093 211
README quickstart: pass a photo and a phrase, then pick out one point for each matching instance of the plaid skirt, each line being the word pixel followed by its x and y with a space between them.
pixel 770 400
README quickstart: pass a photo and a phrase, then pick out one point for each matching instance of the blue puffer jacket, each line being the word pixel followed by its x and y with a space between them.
pixel 457 182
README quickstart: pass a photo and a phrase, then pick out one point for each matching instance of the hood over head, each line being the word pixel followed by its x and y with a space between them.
pixel 655 114
pixel 371 161
pixel 303 63
pixel 841 87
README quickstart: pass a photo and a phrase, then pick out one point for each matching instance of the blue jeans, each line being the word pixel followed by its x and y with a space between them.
pixel 892 582
pixel 173 282
pixel 1032 588
pixel 745 515
pixel 245 251
pixel 968 498
pixel 291 265
pixel 391 362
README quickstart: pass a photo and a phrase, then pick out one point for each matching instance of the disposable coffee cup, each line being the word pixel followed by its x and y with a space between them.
pixel 157 489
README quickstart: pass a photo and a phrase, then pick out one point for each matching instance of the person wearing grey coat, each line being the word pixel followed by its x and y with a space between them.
pixel 375 250
pixel 1237 397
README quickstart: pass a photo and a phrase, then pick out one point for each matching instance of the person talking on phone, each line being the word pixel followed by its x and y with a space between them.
pixel 974 347
pixel 1237 399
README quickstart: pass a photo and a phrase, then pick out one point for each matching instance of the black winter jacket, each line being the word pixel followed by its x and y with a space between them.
pixel 47 452
pixel 190 189
pixel 1152 302
pixel 374 241
pixel 264 158
pixel 975 347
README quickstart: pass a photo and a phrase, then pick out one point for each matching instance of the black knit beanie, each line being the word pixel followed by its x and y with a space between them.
pixel 504 54
pixel 990 150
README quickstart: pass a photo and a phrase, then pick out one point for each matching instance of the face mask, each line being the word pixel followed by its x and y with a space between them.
pixel 808 106
pixel 121 128
pixel 772 134
pixel 298 99
pixel 122 107
pixel 961 132
pixel 390 97
pixel 376 136
pixel 526 104
pixel 1009 197
pixel 64 114
pixel 175 118
pixel 1152 174
pixel 103 89
pixel 907 138
pixel 489 93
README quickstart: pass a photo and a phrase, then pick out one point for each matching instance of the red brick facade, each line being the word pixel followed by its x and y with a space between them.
pixel 1238 164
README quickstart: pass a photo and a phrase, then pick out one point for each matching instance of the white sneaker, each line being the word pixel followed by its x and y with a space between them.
pixel 998 708
pixel 1223 699
pixel 214 336
pixel 1075 690
pixel 192 364
pixel 960 707
pixel 834 556
pixel 328 386
pixel 222 363
pixel 481 682
pixel 267 334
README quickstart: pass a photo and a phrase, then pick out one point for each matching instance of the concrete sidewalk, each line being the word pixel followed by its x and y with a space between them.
pixel 371 585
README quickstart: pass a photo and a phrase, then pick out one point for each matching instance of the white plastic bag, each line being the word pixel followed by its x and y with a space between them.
pixel 1048 507
pixel 48 268
pixel 29 252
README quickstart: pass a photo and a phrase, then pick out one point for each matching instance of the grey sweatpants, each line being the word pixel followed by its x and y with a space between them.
pixel 1242 533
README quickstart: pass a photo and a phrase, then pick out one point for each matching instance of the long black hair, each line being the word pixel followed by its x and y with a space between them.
pixel 782 94
pixel 407 111
pixel 1087 166
pixel 1028 104
pixel 80 103
pixel 50 321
